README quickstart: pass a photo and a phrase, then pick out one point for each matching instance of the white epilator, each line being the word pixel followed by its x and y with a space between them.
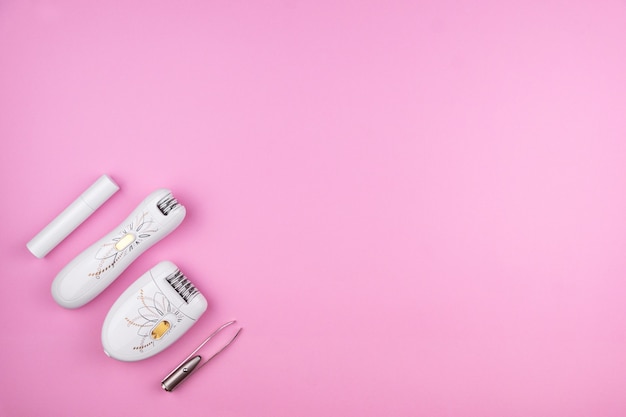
pixel 100 264
pixel 151 314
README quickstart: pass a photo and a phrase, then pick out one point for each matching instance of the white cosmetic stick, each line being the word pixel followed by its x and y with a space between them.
pixel 70 218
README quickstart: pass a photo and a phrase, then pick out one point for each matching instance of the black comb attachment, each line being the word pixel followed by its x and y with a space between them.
pixel 167 204
pixel 182 285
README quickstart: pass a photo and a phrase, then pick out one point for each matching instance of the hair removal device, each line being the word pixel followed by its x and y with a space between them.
pixel 99 265
pixel 151 314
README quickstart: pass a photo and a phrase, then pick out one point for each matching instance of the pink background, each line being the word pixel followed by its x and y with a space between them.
pixel 413 208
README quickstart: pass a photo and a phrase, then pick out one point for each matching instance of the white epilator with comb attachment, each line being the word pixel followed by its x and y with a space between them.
pixel 99 265
pixel 151 314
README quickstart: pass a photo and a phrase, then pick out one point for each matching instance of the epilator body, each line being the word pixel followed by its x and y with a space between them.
pixel 152 314
pixel 99 265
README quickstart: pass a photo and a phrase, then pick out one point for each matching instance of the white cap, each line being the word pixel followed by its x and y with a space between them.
pixel 99 192
pixel 72 216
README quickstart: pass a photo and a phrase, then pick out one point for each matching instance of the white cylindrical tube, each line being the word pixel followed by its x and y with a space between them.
pixel 72 216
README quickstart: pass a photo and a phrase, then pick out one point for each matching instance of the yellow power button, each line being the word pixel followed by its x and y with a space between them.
pixel 160 329
pixel 125 241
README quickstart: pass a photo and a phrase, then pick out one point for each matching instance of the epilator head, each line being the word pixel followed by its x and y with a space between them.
pixel 152 314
